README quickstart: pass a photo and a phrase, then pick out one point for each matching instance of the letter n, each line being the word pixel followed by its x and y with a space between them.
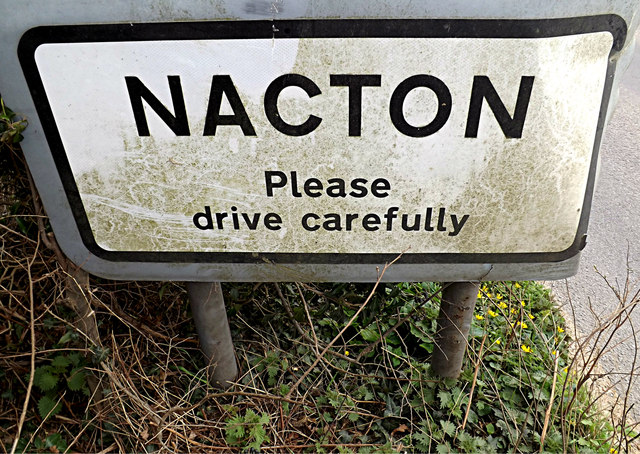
pixel 178 123
pixel 484 89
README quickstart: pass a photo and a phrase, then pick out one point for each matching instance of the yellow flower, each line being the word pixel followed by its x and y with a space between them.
pixel 485 289
pixel 554 353
pixel 613 451
pixel 479 317
pixel 522 303
pixel 502 305
pixel 516 285
pixel 523 324
pixel 498 296
pixel 479 294
pixel 531 316
pixel 498 341
pixel 525 348
pixel 346 353
pixel 491 313
pixel 489 295
pixel 560 330
pixel 513 311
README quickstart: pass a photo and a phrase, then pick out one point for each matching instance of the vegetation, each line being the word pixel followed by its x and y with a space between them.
pixel 138 383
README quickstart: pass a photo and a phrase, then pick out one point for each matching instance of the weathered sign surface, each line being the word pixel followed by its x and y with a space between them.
pixel 326 142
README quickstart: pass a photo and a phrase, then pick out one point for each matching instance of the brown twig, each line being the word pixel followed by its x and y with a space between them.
pixel 32 331
pixel 342 331
pixel 473 384
pixel 302 332
pixel 548 412
pixel 287 308
pixel 306 310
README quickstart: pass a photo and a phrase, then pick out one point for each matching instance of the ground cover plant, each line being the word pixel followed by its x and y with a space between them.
pixel 129 376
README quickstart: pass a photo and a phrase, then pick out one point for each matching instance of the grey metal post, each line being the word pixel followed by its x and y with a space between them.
pixel 210 317
pixel 454 320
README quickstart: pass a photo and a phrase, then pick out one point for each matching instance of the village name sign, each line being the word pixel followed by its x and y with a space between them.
pixel 318 149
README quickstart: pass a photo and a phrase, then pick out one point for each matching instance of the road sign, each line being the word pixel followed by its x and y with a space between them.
pixel 315 149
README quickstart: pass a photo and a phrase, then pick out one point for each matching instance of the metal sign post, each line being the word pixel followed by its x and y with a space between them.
pixel 457 302
pixel 210 317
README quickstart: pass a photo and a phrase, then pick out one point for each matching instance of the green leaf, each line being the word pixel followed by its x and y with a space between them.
pixel 491 429
pixel 60 362
pixel 163 289
pixel 77 380
pixel 76 359
pixel 56 440
pixel 370 333
pixel 272 372
pixel 581 441
pixel 66 337
pixel 448 427
pixel 443 448
pixel 39 444
pixel 234 430
pixel 250 416
pixel 445 398
pixel 364 393
pixel 47 407
pixel 467 442
pixel 422 441
pixel 258 434
pixel 45 378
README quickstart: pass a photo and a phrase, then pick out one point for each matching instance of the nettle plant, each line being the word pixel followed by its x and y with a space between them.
pixel 65 373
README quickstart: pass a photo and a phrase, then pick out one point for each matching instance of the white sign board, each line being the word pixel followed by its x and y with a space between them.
pixel 326 141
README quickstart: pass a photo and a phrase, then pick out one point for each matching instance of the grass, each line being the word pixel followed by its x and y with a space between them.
pixel 137 382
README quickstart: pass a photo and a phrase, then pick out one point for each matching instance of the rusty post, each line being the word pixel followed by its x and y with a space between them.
pixel 454 321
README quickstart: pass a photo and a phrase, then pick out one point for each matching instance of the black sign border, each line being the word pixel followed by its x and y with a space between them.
pixel 307 28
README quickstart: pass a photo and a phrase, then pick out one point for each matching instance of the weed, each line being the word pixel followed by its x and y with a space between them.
pixel 247 430
pixel 11 127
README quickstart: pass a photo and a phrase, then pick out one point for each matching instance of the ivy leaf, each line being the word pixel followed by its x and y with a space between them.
pixel 48 407
pixel 370 333
pixel 56 440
